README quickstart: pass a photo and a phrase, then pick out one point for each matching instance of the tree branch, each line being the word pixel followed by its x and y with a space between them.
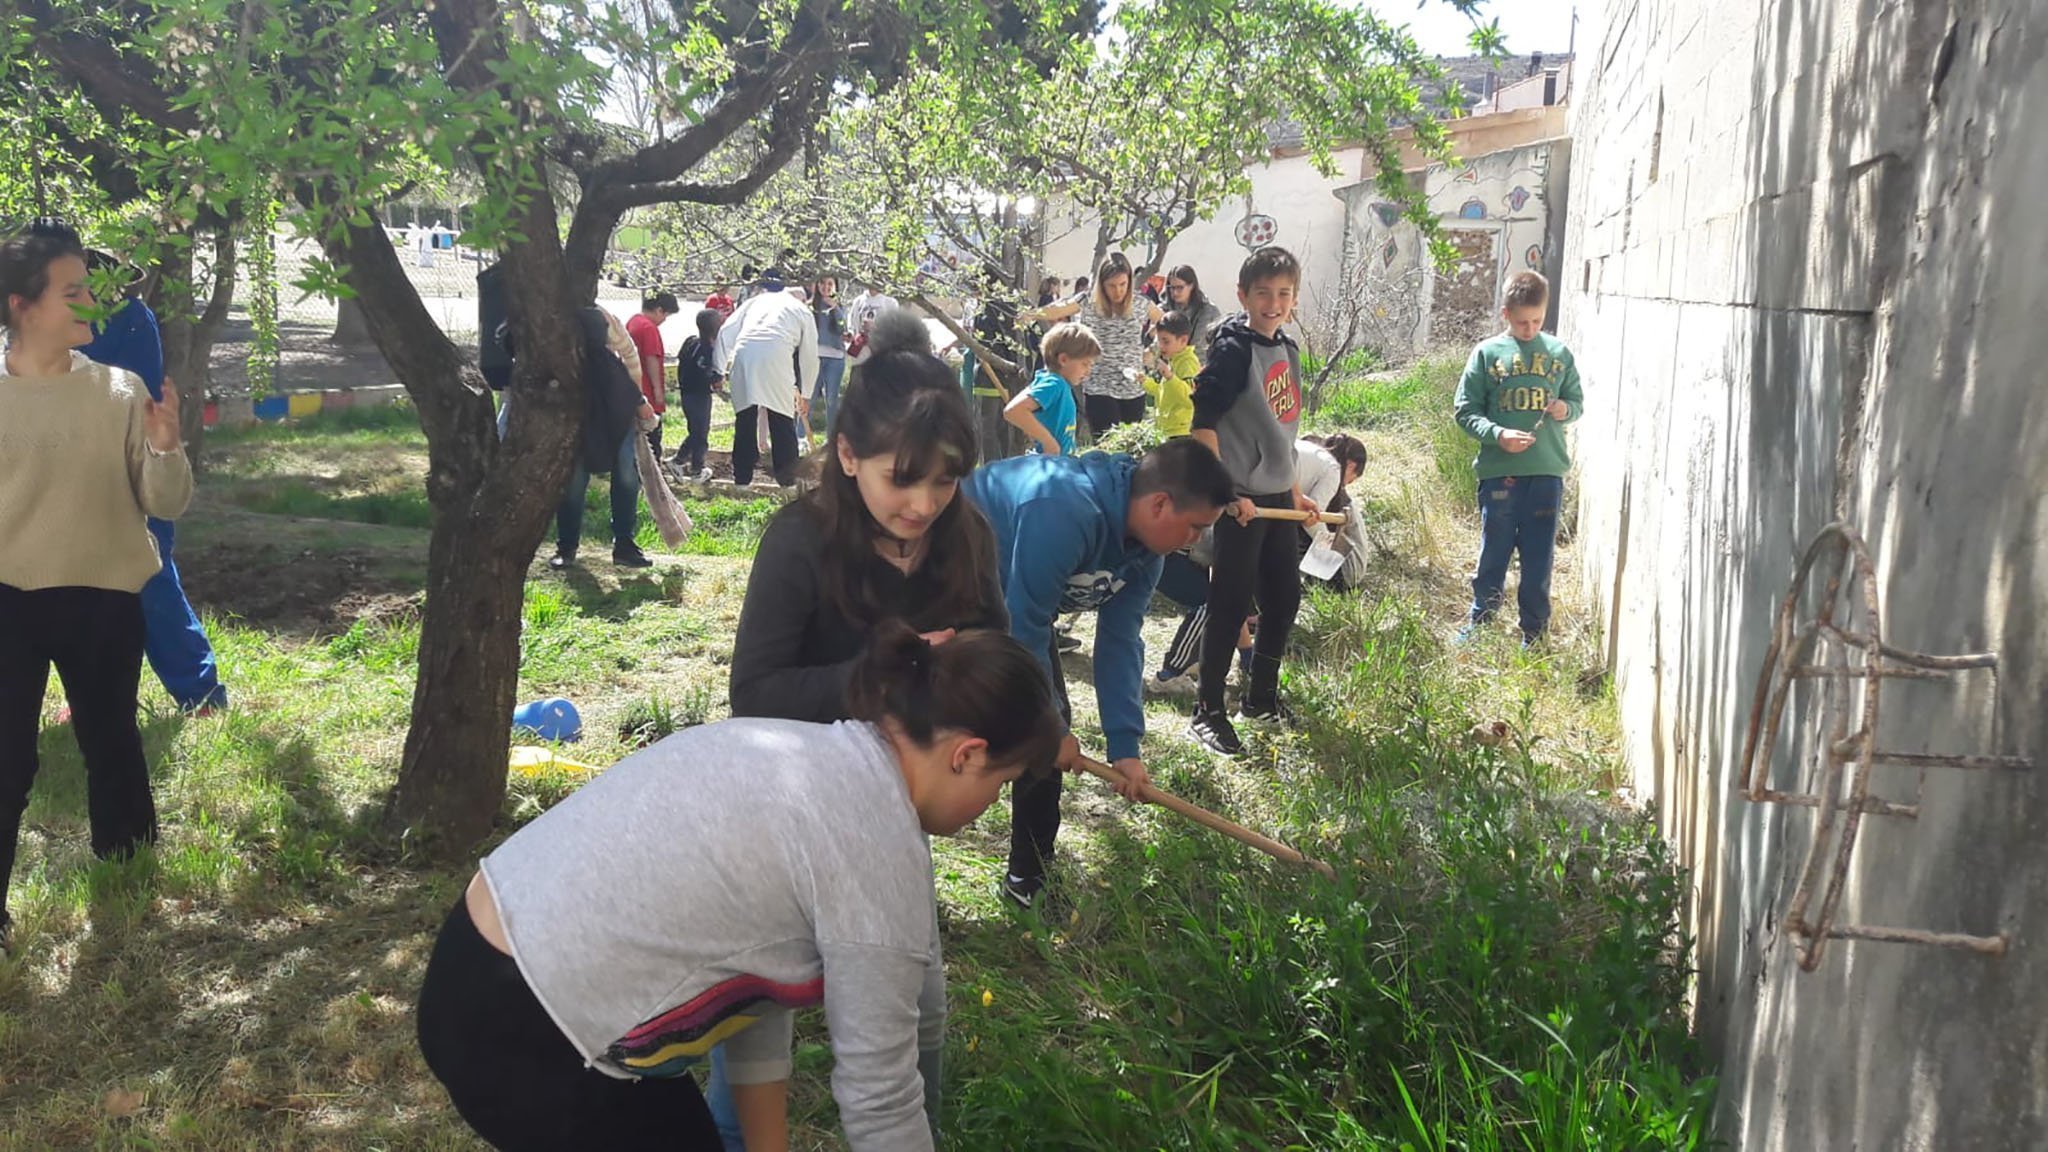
pixel 784 137
pixel 113 81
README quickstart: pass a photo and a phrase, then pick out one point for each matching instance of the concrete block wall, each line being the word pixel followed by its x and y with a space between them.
pixel 1806 280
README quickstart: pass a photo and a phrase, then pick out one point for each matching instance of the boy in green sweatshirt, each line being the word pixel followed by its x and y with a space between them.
pixel 1519 389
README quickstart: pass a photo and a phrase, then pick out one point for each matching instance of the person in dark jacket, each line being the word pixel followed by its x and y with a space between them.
pixel 615 413
pixel 697 380
pixel 884 535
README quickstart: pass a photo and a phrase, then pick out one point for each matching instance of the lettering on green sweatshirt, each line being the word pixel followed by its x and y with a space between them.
pixel 1508 384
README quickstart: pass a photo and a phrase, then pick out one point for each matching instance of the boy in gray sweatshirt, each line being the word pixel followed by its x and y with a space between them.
pixel 1247 410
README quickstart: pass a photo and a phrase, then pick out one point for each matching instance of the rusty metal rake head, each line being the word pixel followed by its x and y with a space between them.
pixel 1848 625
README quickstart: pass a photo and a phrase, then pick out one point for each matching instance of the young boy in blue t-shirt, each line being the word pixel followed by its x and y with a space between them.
pixel 1046 411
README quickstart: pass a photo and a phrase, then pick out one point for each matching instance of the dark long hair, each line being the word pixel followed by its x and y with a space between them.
pixel 1197 299
pixel 981 682
pixel 906 404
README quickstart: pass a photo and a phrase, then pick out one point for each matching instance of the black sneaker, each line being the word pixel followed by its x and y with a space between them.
pixel 1067 642
pixel 1022 890
pixel 561 560
pixel 1214 732
pixel 1272 711
pixel 631 558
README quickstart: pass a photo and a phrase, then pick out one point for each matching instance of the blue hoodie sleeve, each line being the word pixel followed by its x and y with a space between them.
pixel 1050 544
pixel 129 339
pixel 1120 662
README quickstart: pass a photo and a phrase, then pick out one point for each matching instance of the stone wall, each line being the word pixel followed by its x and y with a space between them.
pixel 1804 275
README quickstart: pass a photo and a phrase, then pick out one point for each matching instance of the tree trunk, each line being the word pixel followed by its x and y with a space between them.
pixel 491 504
pixel 188 338
pixel 351 329
pixel 1102 238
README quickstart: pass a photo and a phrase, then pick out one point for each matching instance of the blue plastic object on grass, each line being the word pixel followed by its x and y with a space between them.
pixel 552 719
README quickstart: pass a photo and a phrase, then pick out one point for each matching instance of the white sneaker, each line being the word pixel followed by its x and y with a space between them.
pixel 704 477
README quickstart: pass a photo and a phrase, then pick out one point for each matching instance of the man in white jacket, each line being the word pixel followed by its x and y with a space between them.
pixel 769 352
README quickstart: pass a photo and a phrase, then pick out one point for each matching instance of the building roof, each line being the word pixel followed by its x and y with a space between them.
pixel 1478 77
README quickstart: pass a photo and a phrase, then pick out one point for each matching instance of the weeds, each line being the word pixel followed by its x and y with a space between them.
pixel 1498 965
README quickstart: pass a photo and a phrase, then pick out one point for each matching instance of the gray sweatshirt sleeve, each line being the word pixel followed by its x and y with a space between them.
pixel 871 1011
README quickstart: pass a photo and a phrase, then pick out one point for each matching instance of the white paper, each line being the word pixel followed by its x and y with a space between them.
pixel 1322 562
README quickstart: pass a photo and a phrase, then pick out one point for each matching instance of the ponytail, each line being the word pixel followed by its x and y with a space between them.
pixel 980 682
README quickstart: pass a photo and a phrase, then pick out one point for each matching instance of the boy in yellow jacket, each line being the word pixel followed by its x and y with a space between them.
pixel 1170 367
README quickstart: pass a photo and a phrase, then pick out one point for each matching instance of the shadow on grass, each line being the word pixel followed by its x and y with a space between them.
pixel 635 587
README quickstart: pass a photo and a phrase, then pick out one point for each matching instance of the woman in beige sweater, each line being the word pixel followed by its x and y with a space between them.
pixel 85 456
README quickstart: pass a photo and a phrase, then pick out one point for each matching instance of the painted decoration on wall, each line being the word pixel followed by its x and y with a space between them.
pixel 1387 213
pixel 1517 198
pixel 1535 256
pixel 1468 176
pixel 1389 252
pixel 1257 231
pixel 1473 209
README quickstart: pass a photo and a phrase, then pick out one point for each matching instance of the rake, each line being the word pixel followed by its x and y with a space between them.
pixel 1208 819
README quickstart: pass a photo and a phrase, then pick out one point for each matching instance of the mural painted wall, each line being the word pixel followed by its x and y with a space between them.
pixel 1503 212
pixel 1289 189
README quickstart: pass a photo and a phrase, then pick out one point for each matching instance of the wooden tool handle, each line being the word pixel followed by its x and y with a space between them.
pixel 1203 816
pixel 1296 514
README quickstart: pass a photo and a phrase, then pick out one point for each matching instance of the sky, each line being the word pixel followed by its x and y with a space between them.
pixel 1529 25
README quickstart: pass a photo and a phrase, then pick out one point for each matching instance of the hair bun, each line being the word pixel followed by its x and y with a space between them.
pixel 898 330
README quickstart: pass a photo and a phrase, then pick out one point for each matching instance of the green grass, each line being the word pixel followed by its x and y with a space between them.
pixel 365 466
pixel 1497 966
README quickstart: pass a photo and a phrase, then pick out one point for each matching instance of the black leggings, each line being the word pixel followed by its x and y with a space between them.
pixel 1106 412
pixel 94 638
pixel 1253 561
pixel 1035 804
pixel 518 1081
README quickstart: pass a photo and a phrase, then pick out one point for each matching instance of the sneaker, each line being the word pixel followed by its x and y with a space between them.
pixel 561 560
pixel 1212 730
pixel 1022 890
pixel 1167 683
pixel 1467 635
pixel 631 557
pixel 1273 711
pixel 704 477
pixel 1067 642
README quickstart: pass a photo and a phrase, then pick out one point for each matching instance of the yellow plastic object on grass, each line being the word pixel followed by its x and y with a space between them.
pixel 532 761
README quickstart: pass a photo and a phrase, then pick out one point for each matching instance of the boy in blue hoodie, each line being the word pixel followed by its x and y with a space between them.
pixel 1086 533
pixel 1247 409
pixel 173 638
